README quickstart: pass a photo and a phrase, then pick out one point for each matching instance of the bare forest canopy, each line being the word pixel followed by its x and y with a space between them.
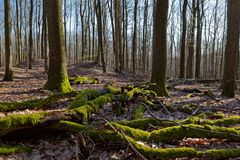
pixel 80 26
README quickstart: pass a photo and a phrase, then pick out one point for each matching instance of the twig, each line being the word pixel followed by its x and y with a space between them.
pixel 165 107
pixel 130 144
pixel 133 148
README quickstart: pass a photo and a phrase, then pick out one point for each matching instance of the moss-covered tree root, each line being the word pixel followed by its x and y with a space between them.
pixel 148 152
pixel 34 104
pixel 144 123
pixel 83 97
pixel 84 112
pixel 165 135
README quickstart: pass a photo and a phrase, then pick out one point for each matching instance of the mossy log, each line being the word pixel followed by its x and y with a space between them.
pixel 34 104
pixel 8 150
pixel 15 122
pixel 83 97
pixel 83 80
pixel 84 112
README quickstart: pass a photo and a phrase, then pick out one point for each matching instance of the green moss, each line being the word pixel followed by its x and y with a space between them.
pixel 188 108
pixel 209 93
pixel 55 84
pixel 11 122
pixel 7 150
pixel 189 95
pixel 232 120
pixel 96 134
pixel 163 154
pixel 83 97
pixel 211 115
pixel 219 154
pixel 150 103
pixel 138 112
pixel 193 131
pixel 134 133
pixel 84 112
pixel 145 123
pixel 84 80
pixel 113 89
pixel 33 104
pixel 137 91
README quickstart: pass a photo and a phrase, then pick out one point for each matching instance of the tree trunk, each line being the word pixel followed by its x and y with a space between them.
pixel 134 39
pixel 8 43
pixel 199 40
pixel 98 10
pixel 57 74
pixel 232 47
pixel 191 42
pixel 159 61
pixel 183 39
pixel 30 52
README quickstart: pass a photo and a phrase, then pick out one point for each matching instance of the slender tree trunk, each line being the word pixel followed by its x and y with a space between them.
pixel 98 10
pixel 134 39
pixel 183 39
pixel 30 52
pixel 159 62
pixel 45 52
pixel 145 32
pixel 199 41
pixel 191 42
pixel 8 43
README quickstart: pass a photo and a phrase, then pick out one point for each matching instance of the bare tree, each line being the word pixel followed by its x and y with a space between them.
pixel 232 47
pixel 159 62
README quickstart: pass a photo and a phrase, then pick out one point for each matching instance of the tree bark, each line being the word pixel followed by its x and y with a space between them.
pixel 57 74
pixel 8 42
pixel 183 39
pixel 232 46
pixel 30 51
pixel 159 61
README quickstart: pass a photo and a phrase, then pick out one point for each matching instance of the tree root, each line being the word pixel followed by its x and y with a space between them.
pixel 84 112
pixel 180 132
pixel 144 123
pixel 148 152
pixel 34 104
pixel 83 97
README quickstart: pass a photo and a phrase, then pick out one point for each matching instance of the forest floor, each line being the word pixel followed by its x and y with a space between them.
pixel 187 99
